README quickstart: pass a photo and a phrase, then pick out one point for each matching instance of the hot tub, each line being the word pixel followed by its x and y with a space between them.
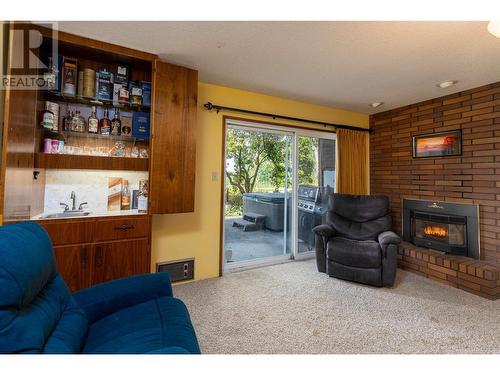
pixel 272 205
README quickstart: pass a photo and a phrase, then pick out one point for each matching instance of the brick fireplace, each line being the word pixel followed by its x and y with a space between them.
pixel 471 178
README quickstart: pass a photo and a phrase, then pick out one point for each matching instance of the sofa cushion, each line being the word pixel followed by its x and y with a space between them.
pixel 37 312
pixel 149 327
pixel 364 254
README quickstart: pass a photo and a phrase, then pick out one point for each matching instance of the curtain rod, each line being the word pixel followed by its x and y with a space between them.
pixel 209 106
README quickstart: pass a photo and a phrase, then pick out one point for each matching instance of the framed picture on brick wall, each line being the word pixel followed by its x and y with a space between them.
pixel 447 143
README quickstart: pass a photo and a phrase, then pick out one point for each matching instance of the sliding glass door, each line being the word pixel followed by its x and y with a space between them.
pixel 277 182
pixel 258 195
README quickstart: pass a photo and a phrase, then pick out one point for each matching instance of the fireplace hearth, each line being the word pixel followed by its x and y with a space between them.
pixel 443 226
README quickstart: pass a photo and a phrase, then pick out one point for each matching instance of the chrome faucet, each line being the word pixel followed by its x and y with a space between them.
pixel 73 199
pixel 73 204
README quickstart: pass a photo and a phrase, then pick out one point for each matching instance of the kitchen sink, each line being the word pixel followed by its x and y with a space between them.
pixel 65 214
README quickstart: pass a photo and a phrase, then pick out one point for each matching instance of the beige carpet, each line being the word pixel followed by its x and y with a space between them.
pixel 291 308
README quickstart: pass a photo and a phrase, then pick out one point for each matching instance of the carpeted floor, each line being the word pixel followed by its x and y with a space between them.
pixel 291 308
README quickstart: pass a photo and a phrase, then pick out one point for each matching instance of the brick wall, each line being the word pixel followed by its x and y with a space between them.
pixel 473 177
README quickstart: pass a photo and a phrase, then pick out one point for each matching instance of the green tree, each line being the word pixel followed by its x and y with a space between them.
pixel 259 156
pixel 307 149
pixel 249 151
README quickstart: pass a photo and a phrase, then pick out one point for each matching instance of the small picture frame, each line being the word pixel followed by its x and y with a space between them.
pixel 440 144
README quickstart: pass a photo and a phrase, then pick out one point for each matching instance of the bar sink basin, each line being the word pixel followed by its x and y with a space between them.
pixel 65 214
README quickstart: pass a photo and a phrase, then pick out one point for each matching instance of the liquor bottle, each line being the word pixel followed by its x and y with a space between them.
pixel 105 124
pixel 125 204
pixel 73 121
pixel 116 123
pixel 78 123
pixel 50 76
pixel 68 121
pixel 93 123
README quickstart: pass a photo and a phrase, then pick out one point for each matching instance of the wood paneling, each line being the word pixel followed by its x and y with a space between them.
pixel 73 263
pixel 121 228
pixel 18 143
pixel 57 161
pixel 173 155
pixel 117 259
pixel 473 177
pixel 100 47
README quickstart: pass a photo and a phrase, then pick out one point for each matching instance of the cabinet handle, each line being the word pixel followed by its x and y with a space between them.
pixel 85 256
pixel 98 256
pixel 125 227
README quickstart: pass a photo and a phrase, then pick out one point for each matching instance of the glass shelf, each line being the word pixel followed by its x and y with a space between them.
pixel 58 98
pixel 69 134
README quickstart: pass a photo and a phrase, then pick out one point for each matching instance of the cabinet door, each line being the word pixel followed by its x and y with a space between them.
pixel 173 155
pixel 116 259
pixel 73 263
pixel 18 136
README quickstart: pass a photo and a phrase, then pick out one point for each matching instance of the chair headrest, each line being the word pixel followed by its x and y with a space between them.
pixel 27 263
pixel 359 208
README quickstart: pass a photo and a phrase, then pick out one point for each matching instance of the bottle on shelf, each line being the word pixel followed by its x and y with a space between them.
pixel 66 120
pixel 116 123
pixel 93 122
pixel 78 123
pixel 125 203
pixel 50 76
pixel 105 124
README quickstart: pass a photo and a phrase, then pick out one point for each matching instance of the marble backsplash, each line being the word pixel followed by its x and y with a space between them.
pixel 89 186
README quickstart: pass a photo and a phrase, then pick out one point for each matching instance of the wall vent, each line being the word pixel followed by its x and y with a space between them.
pixel 179 270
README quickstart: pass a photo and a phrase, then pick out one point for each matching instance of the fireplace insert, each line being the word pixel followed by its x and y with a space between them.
pixel 442 232
pixel 452 228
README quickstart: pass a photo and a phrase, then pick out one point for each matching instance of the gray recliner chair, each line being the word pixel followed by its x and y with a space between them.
pixel 356 243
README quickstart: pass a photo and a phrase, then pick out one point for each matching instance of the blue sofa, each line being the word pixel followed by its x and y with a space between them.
pixel 38 314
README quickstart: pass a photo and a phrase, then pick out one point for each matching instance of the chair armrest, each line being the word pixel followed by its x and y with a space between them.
pixel 387 238
pixel 324 230
pixel 104 299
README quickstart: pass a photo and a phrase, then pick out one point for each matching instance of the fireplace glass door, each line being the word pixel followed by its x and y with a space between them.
pixel 447 230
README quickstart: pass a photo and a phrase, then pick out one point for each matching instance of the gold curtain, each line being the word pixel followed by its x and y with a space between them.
pixel 352 162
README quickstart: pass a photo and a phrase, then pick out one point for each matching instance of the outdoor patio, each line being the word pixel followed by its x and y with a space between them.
pixel 251 245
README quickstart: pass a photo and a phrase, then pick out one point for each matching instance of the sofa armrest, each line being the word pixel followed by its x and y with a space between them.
pixel 324 230
pixel 388 238
pixel 104 299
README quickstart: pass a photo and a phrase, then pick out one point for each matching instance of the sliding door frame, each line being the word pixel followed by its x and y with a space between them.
pixel 312 134
pixel 282 128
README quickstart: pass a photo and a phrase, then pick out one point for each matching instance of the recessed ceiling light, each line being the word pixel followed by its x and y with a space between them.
pixel 376 104
pixel 446 84
pixel 494 28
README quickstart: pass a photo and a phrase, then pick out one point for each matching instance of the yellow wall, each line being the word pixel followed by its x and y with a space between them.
pixel 197 234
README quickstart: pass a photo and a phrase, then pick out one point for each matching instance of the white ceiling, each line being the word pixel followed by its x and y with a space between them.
pixel 342 64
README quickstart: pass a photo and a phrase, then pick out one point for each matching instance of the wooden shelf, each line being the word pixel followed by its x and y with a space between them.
pixel 59 161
